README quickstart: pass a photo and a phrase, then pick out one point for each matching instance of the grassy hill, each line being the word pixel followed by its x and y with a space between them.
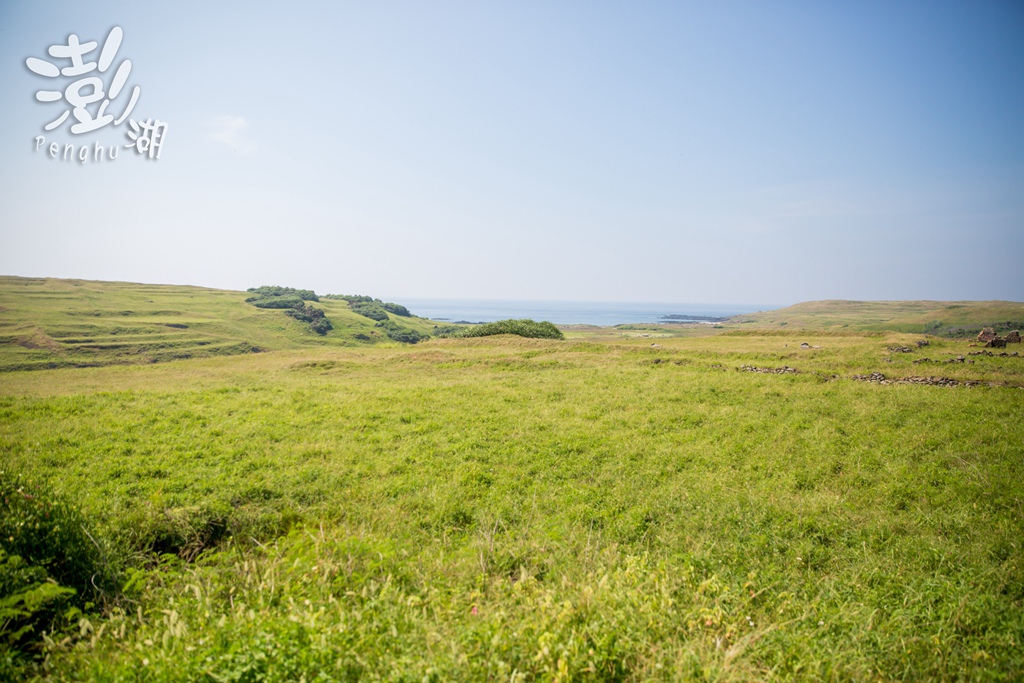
pixel 47 323
pixel 947 318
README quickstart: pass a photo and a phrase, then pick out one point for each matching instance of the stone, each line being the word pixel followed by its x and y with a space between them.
pixel 1013 337
pixel 986 335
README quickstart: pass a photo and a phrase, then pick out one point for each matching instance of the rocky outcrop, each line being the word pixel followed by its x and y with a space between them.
pixel 1013 337
pixel 986 335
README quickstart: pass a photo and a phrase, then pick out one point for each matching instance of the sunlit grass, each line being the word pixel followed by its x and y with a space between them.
pixel 507 508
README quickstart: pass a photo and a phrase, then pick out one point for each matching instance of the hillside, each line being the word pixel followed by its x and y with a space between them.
pixel 50 323
pixel 943 318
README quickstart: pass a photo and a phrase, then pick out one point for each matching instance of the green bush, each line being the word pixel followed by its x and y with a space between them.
pixel 277 302
pixel 401 334
pixel 523 327
pixel 351 298
pixel 47 532
pixel 397 309
pixel 275 292
pixel 321 326
pixel 373 311
pixel 448 330
pixel 51 567
pixel 30 601
pixel 315 317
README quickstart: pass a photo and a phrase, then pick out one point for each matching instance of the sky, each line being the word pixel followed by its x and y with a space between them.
pixel 714 152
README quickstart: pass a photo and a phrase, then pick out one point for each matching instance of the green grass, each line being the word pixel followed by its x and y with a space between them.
pixel 503 508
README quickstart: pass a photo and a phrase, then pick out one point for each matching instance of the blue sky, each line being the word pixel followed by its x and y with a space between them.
pixel 679 152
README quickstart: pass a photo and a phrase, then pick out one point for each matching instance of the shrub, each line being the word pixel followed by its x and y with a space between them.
pixel 351 298
pixel 273 291
pixel 448 330
pixel 401 334
pixel 318 322
pixel 373 311
pixel 47 532
pixel 397 309
pixel 277 302
pixel 321 326
pixel 523 327
pixel 30 602
pixel 50 566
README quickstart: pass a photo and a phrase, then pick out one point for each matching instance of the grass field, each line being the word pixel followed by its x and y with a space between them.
pixel 515 509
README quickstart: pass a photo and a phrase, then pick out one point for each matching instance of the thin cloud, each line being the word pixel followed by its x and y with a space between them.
pixel 233 132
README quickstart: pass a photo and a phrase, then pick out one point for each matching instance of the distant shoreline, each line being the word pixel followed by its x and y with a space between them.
pixel 602 314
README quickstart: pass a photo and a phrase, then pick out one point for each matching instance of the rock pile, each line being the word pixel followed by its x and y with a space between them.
pixel 986 335
pixel 879 378
pixel 922 342
pixel 873 377
pixel 1004 354
pixel 900 349
pixel 785 369
pixel 939 381
pixel 992 340
pixel 958 358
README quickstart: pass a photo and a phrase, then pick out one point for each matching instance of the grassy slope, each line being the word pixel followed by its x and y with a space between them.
pixel 905 316
pixel 57 323
pixel 511 509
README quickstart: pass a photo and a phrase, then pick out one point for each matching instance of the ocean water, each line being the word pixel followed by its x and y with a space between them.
pixel 570 312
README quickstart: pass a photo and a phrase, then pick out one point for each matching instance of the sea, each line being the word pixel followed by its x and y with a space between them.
pixel 573 312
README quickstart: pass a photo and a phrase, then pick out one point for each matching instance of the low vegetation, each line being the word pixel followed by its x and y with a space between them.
pixel 521 328
pixel 315 318
pixel 602 507
pixel 401 334
pixel 279 297
pixel 52 570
